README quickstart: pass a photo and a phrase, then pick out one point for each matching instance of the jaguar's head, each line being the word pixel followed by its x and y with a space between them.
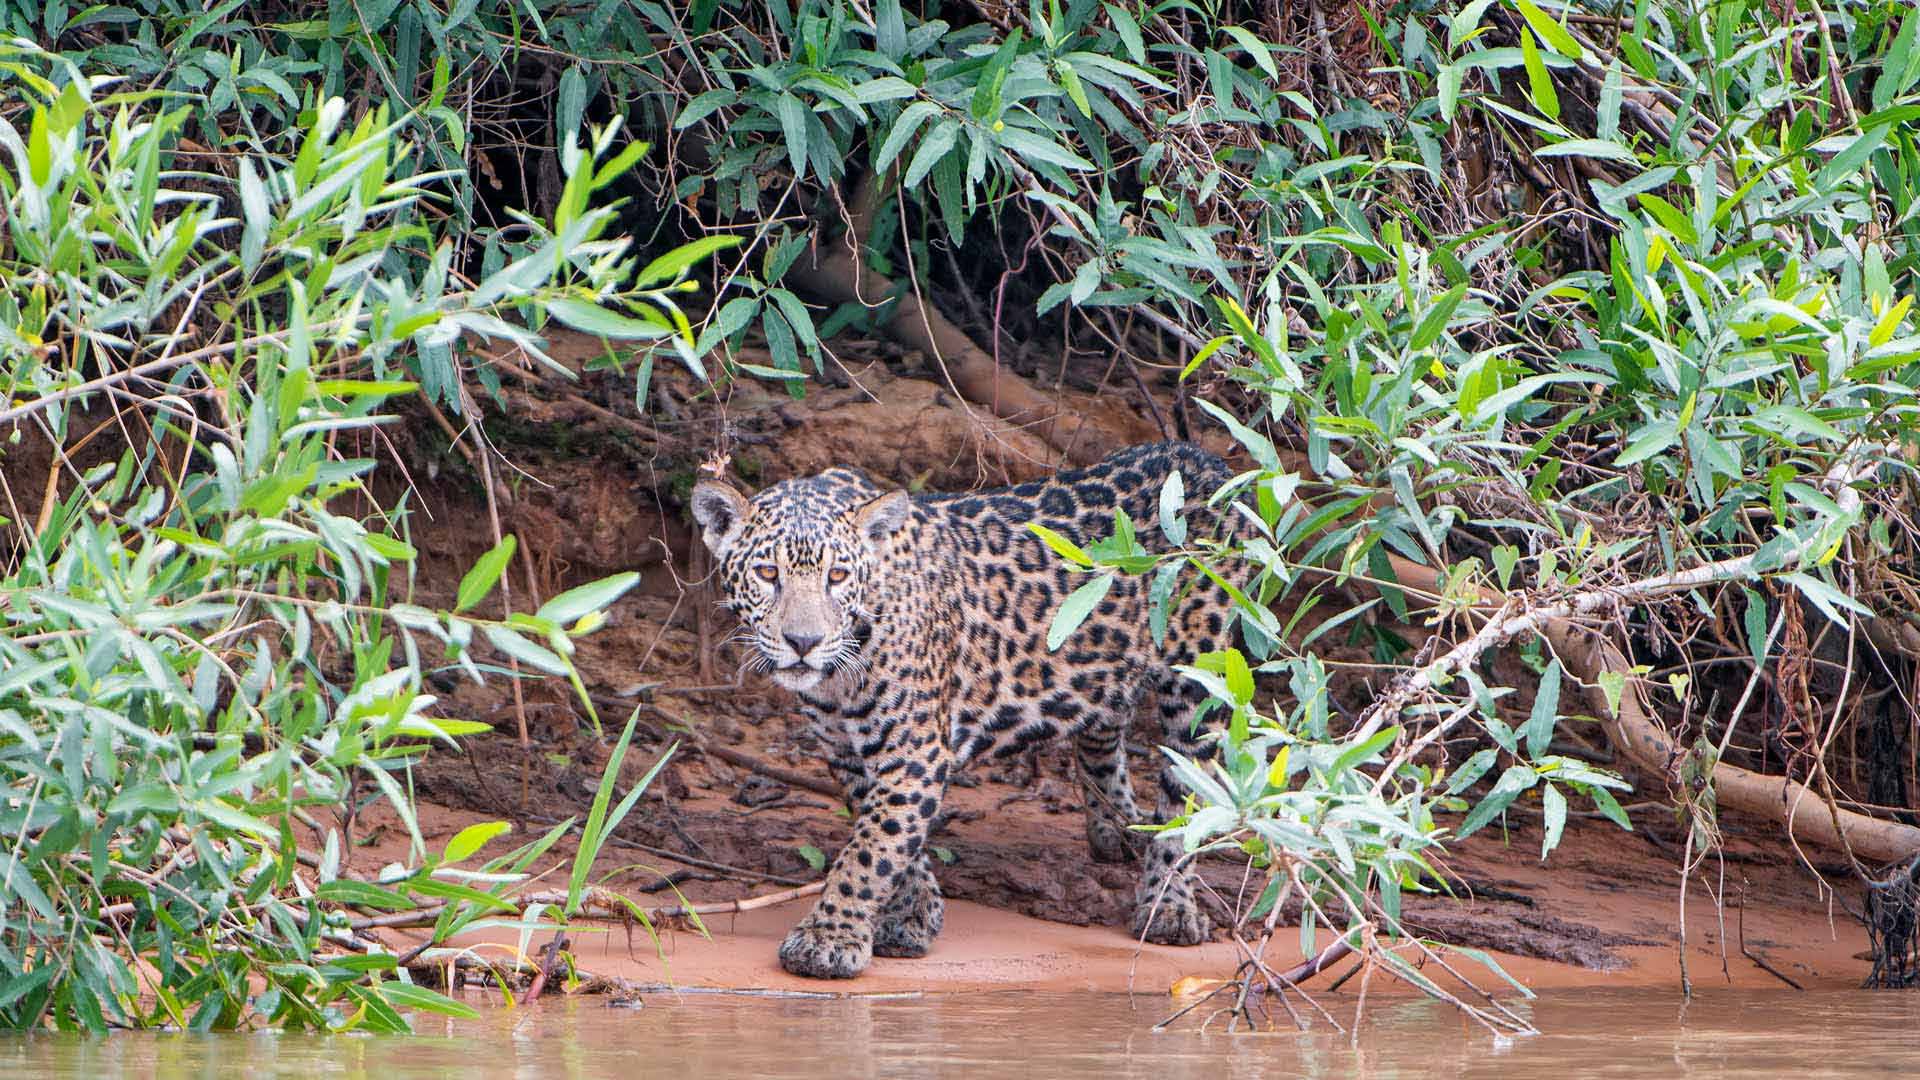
pixel 798 563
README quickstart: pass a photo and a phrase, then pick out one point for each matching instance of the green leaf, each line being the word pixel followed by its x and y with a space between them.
pixel 1652 439
pixel 902 132
pixel 1451 77
pixel 472 838
pixel 480 580
pixel 702 106
pixel 1539 82
pixel 1475 767
pixel 813 855
pixel 1255 48
pixel 793 127
pixel 1257 444
pixel 1075 609
pixel 1670 218
pixel 570 104
pixel 408 996
pixel 1555 806
pixel 1755 620
pixel 1604 801
pixel 1434 320
pixel 1070 80
pixel 594 319
pixel 523 650
pixel 1030 147
pixel 1613 685
pixel 1465 21
pixel 1173 500
pixel 361 894
pixel 145 798
pixel 600 823
pixel 1359 753
pixel 1850 158
pixel 672 265
pixel 1129 31
pixel 932 148
pixel 1605 149
pixel 1552 34
pixel 1064 547
pixel 1505 558
pixel 1546 709
pixel 1515 780
pixel 1831 601
pixel 593 596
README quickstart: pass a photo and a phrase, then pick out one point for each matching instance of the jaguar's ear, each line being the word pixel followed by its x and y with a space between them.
pixel 719 509
pixel 882 517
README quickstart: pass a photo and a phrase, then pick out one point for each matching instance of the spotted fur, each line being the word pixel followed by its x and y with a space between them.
pixel 913 630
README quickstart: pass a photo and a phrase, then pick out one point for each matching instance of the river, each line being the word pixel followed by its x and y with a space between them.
pixel 1600 1033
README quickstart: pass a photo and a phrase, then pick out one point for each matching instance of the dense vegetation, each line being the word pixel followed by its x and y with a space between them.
pixel 1586 328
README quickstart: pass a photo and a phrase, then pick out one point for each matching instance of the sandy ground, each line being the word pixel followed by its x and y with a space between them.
pixel 1028 910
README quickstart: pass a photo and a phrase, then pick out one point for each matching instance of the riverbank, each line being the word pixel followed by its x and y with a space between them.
pixel 1027 906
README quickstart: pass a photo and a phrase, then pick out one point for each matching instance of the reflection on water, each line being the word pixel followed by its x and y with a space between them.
pixel 1586 1033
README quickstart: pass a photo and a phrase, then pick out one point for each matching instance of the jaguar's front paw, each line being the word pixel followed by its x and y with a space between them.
pixel 1175 920
pixel 821 951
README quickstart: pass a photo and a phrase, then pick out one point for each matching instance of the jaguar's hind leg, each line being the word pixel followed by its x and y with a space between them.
pixel 914 916
pixel 1166 907
pixel 1101 751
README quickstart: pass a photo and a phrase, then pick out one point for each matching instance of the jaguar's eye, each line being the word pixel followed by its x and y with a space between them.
pixel 837 575
pixel 767 572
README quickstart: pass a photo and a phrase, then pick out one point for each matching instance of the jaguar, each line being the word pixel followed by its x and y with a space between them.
pixel 912 628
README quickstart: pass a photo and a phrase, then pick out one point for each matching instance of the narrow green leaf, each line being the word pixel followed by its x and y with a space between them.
pixel 480 580
pixel 472 838
pixel 1552 34
pixel 1515 780
pixel 1256 49
pixel 1173 500
pixel 593 596
pixel 594 319
pixel 939 140
pixel 1075 609
pixel 1546 710
pixel 1539 81
pixel 1064 547
pixel 793 127
pixel 523 650
pixel 674 264
pixel 1555 806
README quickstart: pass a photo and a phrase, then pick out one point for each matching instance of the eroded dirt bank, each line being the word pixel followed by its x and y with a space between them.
pixel 1027 907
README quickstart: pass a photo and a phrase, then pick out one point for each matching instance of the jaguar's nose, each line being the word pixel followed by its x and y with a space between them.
pixel 802 644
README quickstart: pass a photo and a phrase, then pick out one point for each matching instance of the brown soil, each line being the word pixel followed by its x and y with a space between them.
pixel 1028 908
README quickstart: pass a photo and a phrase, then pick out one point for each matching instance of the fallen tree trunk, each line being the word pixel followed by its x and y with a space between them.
pixel 1805 814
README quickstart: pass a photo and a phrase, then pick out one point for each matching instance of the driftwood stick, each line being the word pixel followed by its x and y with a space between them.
pixel 1314 965
pixel 599 903
pixel 549 960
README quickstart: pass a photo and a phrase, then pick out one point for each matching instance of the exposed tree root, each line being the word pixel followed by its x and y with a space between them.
pixel 834 271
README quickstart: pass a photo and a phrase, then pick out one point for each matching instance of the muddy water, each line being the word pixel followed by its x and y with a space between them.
pixel 1586 1034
